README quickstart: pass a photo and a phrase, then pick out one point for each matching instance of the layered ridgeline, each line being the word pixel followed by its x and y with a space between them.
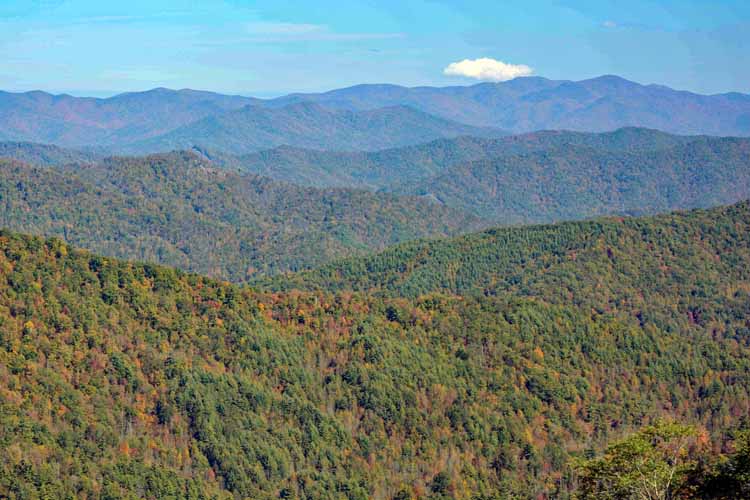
pixel 539 177
pixel 200 215
pixel 178 209
pixel 574 182
pixel 393 167
pixel 376 170
pixel 121 380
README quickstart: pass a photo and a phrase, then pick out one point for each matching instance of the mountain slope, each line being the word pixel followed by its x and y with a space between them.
pixel 575 182
pixel 130 380
pixel 585 263
pixel 180 210
pixel 533 103
pixel 307 125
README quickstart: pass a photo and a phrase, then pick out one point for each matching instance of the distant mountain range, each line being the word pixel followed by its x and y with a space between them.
pixel 163 120
pixel 534 103
pixel 364 117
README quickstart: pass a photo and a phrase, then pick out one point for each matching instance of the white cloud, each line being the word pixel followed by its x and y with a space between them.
pixel 609 24
pixel 487 68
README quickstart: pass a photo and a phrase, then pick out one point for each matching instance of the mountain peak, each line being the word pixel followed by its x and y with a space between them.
pixel 610 81
pixel 608 78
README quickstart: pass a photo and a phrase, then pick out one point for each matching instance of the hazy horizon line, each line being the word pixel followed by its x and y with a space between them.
pixel 272 94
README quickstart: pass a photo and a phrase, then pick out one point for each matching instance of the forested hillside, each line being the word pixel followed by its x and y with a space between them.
pixel 123 380
pixel 309 125
pixel 367 250
pixel 593 263
pixel 371 170
pixel 368 170
pixel 178 209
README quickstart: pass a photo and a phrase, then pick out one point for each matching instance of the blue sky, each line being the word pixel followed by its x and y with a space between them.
pixel 274 47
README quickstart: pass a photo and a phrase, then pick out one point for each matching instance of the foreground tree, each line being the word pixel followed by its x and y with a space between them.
pixel 649 465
